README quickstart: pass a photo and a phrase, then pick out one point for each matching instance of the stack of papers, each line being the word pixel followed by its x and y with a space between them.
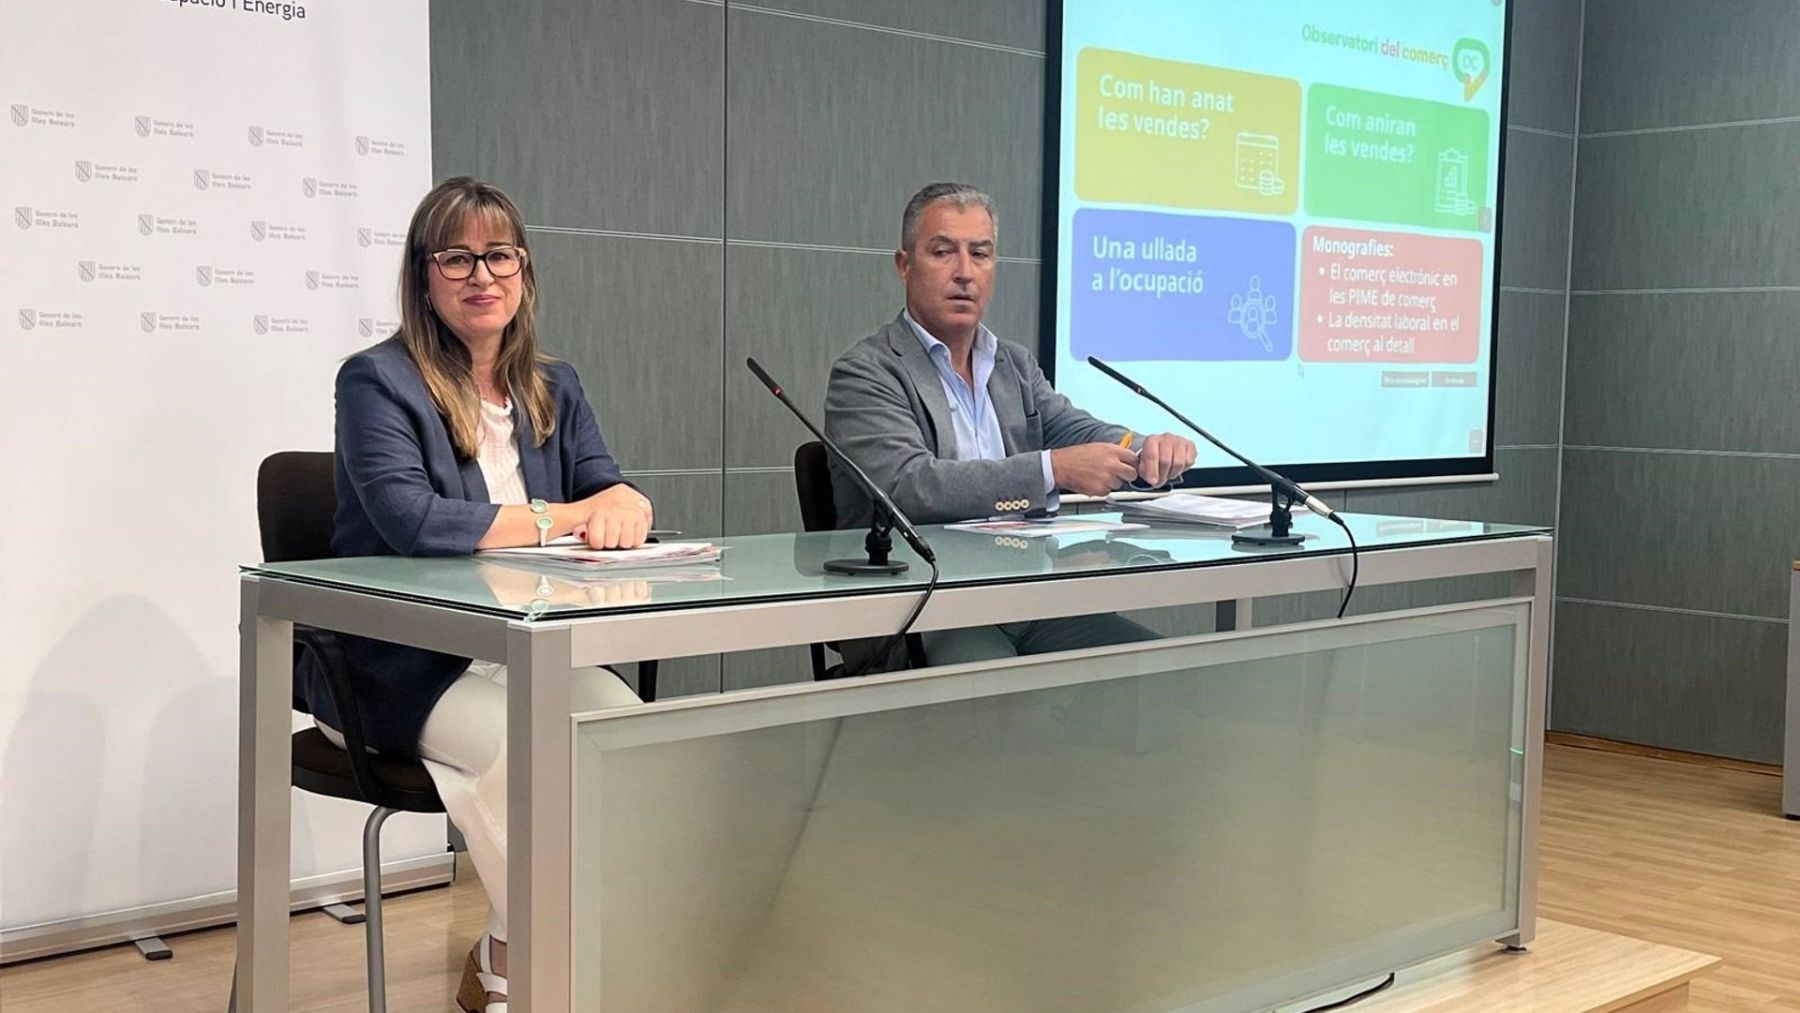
pixel 1192 508
pixel 1043 528
pixel 659 554
pixel 582 574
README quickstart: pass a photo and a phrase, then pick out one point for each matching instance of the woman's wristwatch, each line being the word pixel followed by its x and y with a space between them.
pixel 544 523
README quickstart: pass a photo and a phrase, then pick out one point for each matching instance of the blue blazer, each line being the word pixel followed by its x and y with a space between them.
pixel 403 490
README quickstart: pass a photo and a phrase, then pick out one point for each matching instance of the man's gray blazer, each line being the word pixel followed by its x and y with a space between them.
pixel 886 407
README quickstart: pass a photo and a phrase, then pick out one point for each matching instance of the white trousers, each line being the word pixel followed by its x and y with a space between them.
pixel 463 745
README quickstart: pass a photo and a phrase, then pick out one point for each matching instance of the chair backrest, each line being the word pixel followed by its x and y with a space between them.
pixel 295 507
pixel 295 503
pixel 812 481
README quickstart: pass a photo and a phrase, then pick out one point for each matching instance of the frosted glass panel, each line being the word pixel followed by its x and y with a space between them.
pixel 1213 823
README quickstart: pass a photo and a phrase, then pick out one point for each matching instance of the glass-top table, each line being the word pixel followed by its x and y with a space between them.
pixel 776 567
pixel 544 620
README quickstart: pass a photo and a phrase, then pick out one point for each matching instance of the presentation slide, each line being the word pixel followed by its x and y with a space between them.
pixel 1281 217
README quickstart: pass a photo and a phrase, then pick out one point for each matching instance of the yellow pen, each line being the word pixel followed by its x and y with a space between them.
pixel 1125 441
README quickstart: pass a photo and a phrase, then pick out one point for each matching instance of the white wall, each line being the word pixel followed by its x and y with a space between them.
pixel 139 390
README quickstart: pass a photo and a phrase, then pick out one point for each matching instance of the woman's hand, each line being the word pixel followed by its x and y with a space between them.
pixel 618 518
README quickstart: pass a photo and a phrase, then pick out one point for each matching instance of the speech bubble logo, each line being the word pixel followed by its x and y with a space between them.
pixel 1470 62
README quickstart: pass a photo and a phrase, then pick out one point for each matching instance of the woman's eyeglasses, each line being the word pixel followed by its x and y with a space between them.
pixel 501 261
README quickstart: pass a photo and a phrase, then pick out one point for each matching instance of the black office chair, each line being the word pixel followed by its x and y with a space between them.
pixel 295 503
pixel 818 512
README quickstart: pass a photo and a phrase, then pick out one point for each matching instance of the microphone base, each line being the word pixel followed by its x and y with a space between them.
pixel 1268 537
pixel 864 567
pixel 1280 529
pixel 875 561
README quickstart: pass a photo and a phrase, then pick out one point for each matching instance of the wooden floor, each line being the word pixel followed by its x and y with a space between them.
pixel 1568 968
pixel 1675 853
pixel 1689 856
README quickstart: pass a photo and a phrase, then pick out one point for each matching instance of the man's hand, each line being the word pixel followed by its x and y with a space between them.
pixel 1093 469
pixel 618 518
pixel 1163 458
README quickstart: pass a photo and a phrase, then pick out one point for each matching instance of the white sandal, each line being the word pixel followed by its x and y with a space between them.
pixel 479 980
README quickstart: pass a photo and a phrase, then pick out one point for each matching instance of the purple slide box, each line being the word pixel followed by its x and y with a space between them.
pixel 1181 287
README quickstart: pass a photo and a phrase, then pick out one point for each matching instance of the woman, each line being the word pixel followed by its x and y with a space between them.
pixel 454 435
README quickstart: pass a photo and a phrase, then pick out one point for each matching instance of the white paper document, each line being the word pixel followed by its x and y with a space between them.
pixel 1192 508
pixel 657 554
pixel 1044 528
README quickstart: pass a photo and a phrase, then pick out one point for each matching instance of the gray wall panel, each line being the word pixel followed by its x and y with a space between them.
pixel 1659 63
pixel 796 311
pixel 1420 594
pixel 1525 494
pixel 673 118
pixel 1546 53
pixel 1529 368
pixel 1679 681
pixel 1315 605
pixel 1014 312
pixel 1281 610
pixel 1176 620
pixel 826 150
pixel 602 114
pixel 775 667
pixel 1534 240
pixel 690 504
pixel 1686 531
pixel 684 676
pixel 759 502
pixel 1713 371
pixel 1689 209
pixel 1700 380
pixel 1015 23
pixel 649 361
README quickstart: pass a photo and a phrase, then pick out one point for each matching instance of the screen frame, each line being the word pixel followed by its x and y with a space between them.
pixel 1345 474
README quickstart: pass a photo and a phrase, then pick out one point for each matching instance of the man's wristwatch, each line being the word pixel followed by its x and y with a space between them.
pixel 544 523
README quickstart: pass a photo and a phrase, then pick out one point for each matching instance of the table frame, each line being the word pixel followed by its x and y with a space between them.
pixel 541 653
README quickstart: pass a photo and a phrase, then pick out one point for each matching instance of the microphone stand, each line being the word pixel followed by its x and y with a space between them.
pixel 1283 494
pixel 1281 517
pixel 1281 523
pixel 887 515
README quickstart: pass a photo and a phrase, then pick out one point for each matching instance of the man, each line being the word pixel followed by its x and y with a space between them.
pixel 954 423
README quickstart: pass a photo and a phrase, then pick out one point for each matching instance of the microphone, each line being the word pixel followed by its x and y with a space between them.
pixel 1292 490
pixel 883 504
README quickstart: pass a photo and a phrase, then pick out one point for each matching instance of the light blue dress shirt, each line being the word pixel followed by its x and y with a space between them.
pixel 972 415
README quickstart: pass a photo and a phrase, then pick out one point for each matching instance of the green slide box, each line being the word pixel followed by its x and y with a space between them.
pixel 1387 158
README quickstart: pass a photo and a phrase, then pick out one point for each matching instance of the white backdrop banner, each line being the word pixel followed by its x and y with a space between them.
pixel 205 202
